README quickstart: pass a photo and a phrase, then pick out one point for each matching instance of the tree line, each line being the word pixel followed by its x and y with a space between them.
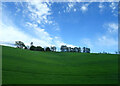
pixel 63 48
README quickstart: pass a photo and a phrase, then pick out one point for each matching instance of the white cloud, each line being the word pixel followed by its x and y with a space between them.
pixel 100 44
pixel 111 27
pixel 10 34
pixel 84 7
pixel 106 41
pixel 31 25
pixel 55 26
pixel 101 6
pixel 70 6
pixel 113 6
pixel 43 35
pixel 39 12
pixel 75 10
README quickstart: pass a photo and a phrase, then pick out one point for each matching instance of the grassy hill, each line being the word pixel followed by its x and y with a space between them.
pixel 33 67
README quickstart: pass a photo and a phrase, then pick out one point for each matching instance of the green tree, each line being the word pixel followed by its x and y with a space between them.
pixel 53 48
pixel 32 48
pixel 39 48
pixel 84 49
pixel 20 44
pixel 47 49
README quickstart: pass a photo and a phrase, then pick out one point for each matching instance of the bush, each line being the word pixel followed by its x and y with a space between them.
pixel 39 48
pixel 32 48
pixel 47 49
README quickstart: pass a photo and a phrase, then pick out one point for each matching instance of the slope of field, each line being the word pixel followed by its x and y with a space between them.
pixel 34 67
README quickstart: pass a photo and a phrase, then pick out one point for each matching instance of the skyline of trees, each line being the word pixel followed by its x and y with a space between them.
pixel 63 48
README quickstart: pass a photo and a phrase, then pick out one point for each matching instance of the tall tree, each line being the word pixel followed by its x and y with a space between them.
pixel 53 48
pixel 79 49
pixel 63 48
pixel 84 49
pixel 47 49
pixel 87 50
pixel 32 48
pixel 20 44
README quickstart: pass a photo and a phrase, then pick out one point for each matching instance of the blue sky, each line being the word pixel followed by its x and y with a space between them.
pixel 89 24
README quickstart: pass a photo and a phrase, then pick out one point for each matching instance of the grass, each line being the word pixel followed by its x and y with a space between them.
pixel 34 67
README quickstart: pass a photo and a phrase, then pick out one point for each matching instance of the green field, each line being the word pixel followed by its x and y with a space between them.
pixel 34 67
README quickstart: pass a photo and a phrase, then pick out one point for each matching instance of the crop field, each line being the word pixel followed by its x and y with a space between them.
pixel 34 67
